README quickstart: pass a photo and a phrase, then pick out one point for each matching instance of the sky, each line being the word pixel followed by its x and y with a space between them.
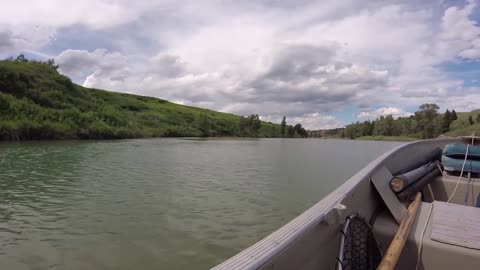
pixel 323 64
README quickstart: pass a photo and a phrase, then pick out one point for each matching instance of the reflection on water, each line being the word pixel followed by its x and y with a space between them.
pixel 159 203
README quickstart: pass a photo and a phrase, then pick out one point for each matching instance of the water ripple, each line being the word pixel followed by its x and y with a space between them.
pixel 159 203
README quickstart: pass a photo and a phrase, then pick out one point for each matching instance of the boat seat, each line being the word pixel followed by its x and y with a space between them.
pixel 456 224
pixel 434 254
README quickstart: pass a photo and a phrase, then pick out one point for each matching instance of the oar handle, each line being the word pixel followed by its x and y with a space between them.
pixel 395 249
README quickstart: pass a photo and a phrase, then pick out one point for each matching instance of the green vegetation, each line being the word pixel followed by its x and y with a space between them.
pixel 470 120
pixel 283 125
pixel 464 124
pixel 37 102
pixel 251 127
pixel 424 124
pixel 297 131
pixel 204 125
pixel 387 138
pixel 465 131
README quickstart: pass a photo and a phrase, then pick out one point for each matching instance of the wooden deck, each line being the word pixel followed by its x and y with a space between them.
pixel 456 224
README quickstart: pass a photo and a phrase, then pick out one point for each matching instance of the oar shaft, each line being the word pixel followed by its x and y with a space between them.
pixel 395 249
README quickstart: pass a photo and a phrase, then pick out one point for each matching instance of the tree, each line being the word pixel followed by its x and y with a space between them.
pixel 21 58
pixel 242 125
pixel 426 115
pixel 350 131
pixel 454 115
pixel 470 119
pixel 379 126
pixel 447 120
pixel 428 130
pixel 402 126
pixel 367 128
pixel 300 131
pixel 283 124
pixel 447 115
pixel 4 104
pixel 204 125
pixel 429 109
pixel 388 125
pixel 437 126
pixel 478 118
pixel 51 63
pixel 254 124
pixel 290 131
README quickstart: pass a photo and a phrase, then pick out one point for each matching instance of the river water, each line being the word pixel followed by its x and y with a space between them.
pixel 160 203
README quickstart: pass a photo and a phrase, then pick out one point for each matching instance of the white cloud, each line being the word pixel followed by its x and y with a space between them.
pixel 314 121
pixel 15 39
pixel 460 34
pixel 61 13
pixel 463 101
pixel 113 68
pixel 303 59
pixel 6 41
pixel 310 121
pixel 372 115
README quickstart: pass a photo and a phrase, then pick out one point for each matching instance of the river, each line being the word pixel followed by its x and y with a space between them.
pixel 160 203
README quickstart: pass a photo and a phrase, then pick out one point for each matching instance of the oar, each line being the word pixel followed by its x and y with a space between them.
pixel 395 249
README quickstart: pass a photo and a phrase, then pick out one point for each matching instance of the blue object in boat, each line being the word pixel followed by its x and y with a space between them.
pixel 453 164
pixel 458 151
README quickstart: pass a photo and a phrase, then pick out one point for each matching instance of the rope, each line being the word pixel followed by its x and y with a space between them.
pixel 473 195
pixel 423 234
pixel 467 189
pixel 461 174
pixel 439 168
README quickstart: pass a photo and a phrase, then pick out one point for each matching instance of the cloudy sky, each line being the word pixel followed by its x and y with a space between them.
pixel 322 63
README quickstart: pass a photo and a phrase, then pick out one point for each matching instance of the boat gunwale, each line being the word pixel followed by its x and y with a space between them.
pixel 260 253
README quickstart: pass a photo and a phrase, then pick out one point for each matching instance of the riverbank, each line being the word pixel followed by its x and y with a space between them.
pixel 387 138
pixel 374 138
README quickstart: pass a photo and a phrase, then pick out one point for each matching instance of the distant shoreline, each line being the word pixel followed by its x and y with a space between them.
pixel 388 138
pixel 375 138
pixel 219 138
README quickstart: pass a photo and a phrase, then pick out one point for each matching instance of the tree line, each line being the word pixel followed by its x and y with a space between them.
pixel 249 126
pixel 425 123
pixel 50 63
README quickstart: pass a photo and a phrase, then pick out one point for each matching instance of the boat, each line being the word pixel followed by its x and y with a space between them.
pixel 444 229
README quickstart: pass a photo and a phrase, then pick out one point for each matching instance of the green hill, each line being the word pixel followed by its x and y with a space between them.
pixel 37 102
pixel 462 126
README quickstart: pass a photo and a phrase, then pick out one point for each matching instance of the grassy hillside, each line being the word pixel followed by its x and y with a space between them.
pixel 462 127
pixel 36 102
